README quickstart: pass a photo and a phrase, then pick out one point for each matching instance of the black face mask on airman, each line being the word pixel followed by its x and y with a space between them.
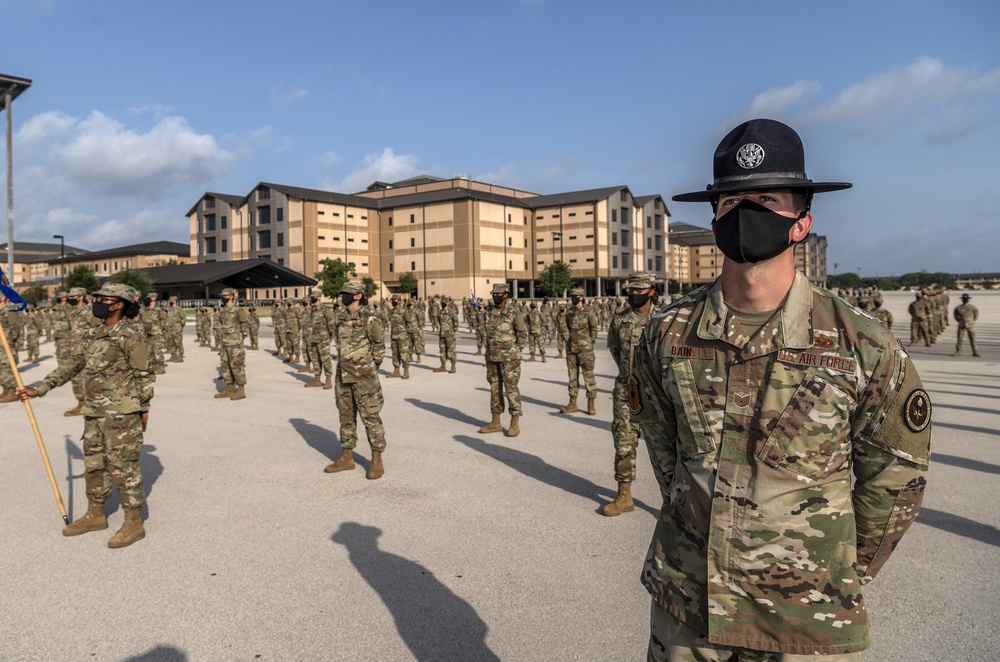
pixel 750 232
pixel 497 299
pixel 346 298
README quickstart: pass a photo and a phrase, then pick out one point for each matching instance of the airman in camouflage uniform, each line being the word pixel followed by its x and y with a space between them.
pixel 233 325
pixel 966 315
pixel 78 320
pixel 176 321
pixel 623 337
pixel 755 419
pixel 478 322
pixel 322 329
pixel 506 335
pixel 881 314
pixel 581 324
pixel 360 352
pixel 254 326
pixel 305 323
pixel 447 324
pixel 12 329
pixel 293 329
pixel 413 318
pixel 562 331
pixel 118 385
pixel 399 339
pixel 152 321
pixel 278 315
pixel 919 326
pixel 33 327
pixel 536 333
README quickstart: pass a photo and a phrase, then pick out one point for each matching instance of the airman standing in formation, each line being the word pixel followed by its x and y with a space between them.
pixel 506 335
pixel 447 323
pixel 478 323
pixel 305 324
pixel 581 325
pixel 399 338
pixel 78 320
pixel 919 327
pixel 254 326
pixel 152 321
pixel 12 329
pixel 293 330
pixel 118 386
pixel 322 329
pixel 536 333
pixel 413 318
pixel 233 325
pixel 623 337
pixel 33 326
pixel 278 316
pixel 176 320
pixel 966 315
pixel 360 352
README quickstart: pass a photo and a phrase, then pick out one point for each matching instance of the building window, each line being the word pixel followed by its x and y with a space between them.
pixel 659 263
pixel 336 238
pixel 590 259
pixel 625 238
pixel 209 245
pixel 209 222
pixel 281 239
pixel 659 242
pixel 222 223
pixel 263 193
pixel 657 220
pixel 525 265
pixel 390 267
pixel 413 266
pixel 336 213
pixel 350 240
pixel 614 261
pixel 589 213
pixel 281 261
pixel 614 238
pixel 649 264
pixel 322 238
pixel 411 218
pixel 264 214
pixel 614 215
pixel 510 264
pixel 525 243
pixel 590 236
pixel 364 264
pixel 649 243
pixel 510 241
pixel 649 221
pixel 622 194
pixel 320 212
pixel 279 214
pixel 264 239
pixel 209 201
pixel 555 215
pixel 413 242
pixel 350 216
pixel 624 214
pixel 540 217
pixel 364 218
pixel 390 244
pixel 250 218
pixel 625 261
pixel 390 220
pixel 572 214
pixel 508 218
pixel 225 246
pixel 572 260
pixel 539 240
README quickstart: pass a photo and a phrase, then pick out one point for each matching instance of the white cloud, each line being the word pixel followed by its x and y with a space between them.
pixel 109 157
pixel 43 127
pixel 922 84
pixel 141 227
pixel 386 167
pixel 284 97
pixel 778 100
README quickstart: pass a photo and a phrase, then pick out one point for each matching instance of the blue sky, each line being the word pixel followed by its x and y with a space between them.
pixel 138 108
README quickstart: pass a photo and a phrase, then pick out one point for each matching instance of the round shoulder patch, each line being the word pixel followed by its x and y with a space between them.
pixel 917 411
pixel 634 395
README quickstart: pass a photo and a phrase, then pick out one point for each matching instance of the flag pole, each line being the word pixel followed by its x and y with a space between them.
pixel 34 425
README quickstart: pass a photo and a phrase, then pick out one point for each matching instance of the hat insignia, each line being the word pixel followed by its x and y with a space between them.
pixel 750 156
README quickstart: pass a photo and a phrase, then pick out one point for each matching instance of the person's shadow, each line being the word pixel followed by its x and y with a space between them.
pixel 149 464
pixel 325 441
pixel 159 653
pixel 535 467
pixel 434 623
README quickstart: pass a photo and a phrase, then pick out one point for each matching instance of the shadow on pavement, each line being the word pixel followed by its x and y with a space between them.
pixel 963 384
pixel 73 452
pixel 936 392
pixel 149 464
pixel 434 623
pixel 582 418
pixel 967 428
pixel 159 654
pixel 981 410
pixel 966 463
pixel 323 440
pixel 447 412
pixel 524 398
pixel 563 383
pixel 535 467
pixel 960 526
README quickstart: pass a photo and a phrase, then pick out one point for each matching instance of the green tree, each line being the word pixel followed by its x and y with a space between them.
pixel 333 276
pixel 848 280
pixel 556 278
pixel 370 287
pixel 133 278
pixel 408 283
pixel 82 276
pixel 35 295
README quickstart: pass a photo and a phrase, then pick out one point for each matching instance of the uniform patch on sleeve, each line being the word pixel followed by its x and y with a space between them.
pixel 917 411
pixel 634 395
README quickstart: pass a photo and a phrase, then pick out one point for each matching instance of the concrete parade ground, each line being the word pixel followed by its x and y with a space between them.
pixel 471 547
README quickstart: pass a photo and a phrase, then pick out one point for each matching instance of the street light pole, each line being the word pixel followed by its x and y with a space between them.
pixel 62 258
pixel 11 87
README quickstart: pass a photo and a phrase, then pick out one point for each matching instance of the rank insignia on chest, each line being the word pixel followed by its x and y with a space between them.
pixel 634 395
pixel 917 412
pixel 742 400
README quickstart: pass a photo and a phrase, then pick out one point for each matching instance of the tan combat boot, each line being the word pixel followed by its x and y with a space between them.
pixel 479 351
pixel 452 371
pixel 492 426
pixel 418 358
pixel 592 406
pixel 442 368
pixel 180 359
pixel 159 369
pixel 306 368
pixel 571 407
pixel 75 411
pixel 514 429
pixel 315 382
pixel 94 520
pixel 375 470
pixel 288 359
pixel 394 373
pixel 543 359
pixel 406 372
pixel 131 530
pixel 228 393
pixel 530 359
pixel 559 355
pixel 958 352
pixel 344 463
pixel 622 503
pixel 240 394
pixel 329 383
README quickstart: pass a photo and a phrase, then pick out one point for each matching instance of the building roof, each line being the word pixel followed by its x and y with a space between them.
pixel 317 195
pixel 681 228
pixel 225 197
pixel 449 195
pixel 643 200
pixel 573 197
pixel 258 273
pixel 41 247
pixel 150 248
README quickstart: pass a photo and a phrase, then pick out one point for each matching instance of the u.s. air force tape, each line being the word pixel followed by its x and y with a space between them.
pixel 634 395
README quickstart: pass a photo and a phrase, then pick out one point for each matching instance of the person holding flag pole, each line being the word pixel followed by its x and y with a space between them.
pixel 8 293
pixel 118 386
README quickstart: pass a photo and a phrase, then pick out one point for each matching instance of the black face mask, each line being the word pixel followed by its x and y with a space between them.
pixel 102 311
pixel 752 233
pixel 638 300
pixel 73 301
pixel 497 299
pixel 224 302
pixel 575 300
pixel 346 298
pixel 313 299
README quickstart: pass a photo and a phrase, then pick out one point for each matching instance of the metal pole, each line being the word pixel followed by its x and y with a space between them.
pixel 10 191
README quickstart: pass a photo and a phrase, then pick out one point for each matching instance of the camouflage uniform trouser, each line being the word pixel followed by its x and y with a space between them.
pixel 292 343
pixel 671 640
pixel 972 337
pixel 279 339
pixel 156 343
pixel 179 342
pixel 319 354
pixel 234 364
pixel 447 347
pixel 364 398
pixel 625 433
pixel 32 344
pixel 576 362
pixel 253 336
pixel 111 449
pixel 417 342
pixel 535 340
pixel 504 375
pixel 401 351
pixel 480 338
pixel 7 379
